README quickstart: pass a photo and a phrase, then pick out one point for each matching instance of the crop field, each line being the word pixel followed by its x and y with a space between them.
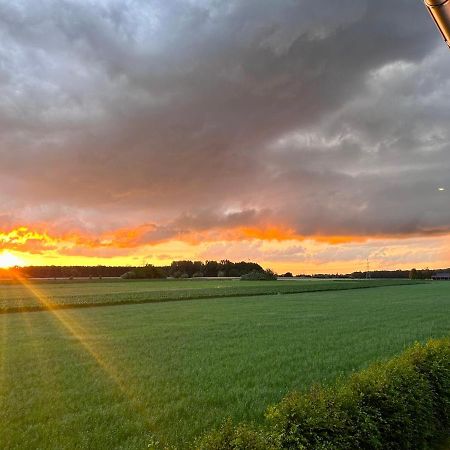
pixel 39 295
pixel 127 375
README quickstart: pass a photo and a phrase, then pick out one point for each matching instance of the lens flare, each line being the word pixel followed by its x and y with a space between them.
pixel 79 332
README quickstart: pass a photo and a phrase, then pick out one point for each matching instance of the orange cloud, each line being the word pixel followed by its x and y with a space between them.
pixel 149 234
pixel 275 246
pixel 22 238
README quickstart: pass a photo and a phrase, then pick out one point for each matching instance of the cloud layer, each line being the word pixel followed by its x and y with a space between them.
pixel 133 123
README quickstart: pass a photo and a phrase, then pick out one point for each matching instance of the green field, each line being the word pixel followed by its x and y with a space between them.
pixel 117 377
pixel 39 295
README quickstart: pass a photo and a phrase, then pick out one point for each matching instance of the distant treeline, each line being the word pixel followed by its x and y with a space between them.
pixel 413 274
pixel 178 269
pixel 194 269
pixel 70 271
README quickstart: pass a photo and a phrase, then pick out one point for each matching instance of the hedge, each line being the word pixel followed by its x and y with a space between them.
pixel 257 275
pixel 403 403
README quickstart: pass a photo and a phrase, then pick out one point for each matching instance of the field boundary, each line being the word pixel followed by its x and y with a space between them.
pixel 194 295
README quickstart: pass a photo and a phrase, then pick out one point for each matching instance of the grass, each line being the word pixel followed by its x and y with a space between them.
pixel 119 377
pixel 41 295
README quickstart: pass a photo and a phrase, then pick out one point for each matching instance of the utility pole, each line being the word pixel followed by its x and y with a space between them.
pixel 367 269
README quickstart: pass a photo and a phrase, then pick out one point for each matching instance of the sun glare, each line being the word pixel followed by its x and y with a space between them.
pixel 7 260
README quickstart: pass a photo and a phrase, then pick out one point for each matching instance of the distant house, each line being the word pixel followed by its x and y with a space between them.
pixel 441 276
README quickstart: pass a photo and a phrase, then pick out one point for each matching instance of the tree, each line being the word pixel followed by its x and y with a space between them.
pixel 211 268
pixel 413 274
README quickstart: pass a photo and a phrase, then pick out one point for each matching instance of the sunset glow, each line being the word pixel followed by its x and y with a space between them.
pixel 277 248
pixel 8 260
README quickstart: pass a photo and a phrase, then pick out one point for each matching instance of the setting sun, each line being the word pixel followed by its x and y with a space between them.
pixel 7 260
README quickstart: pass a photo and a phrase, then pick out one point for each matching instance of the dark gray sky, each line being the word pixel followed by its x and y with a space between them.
pixel 182 117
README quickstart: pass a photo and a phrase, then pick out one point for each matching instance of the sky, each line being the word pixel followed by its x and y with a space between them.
pixel 307 136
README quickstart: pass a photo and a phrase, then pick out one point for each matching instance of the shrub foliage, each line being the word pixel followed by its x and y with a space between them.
pixel 259 275
pixel 403 403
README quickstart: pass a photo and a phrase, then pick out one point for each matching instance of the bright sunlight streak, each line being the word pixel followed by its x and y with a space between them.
pixel 7 260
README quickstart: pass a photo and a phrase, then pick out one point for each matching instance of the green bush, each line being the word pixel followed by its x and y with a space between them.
pixel 257 275
pixel 242 437
pixel 403 403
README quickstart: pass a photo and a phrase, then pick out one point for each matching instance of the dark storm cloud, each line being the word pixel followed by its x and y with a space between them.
pixel 328 117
